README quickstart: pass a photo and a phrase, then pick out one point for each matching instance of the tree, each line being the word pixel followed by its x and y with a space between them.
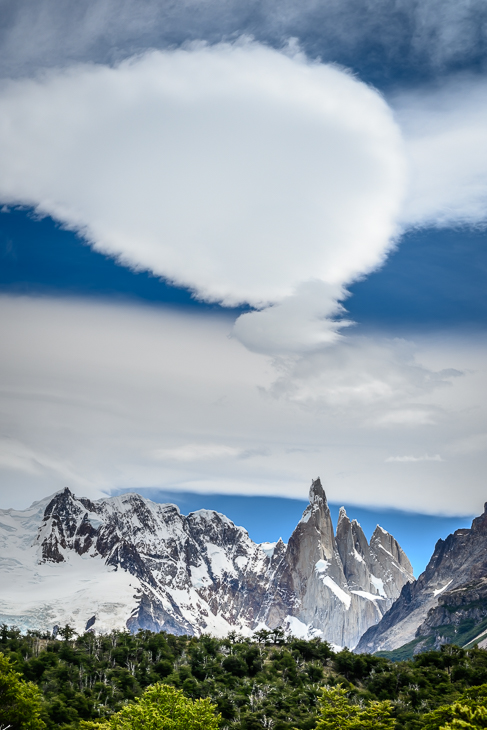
pixel 469 711
pixel 162 707
pixel 469 718
pixel 67 632
pixel 339 713
pixel 20 701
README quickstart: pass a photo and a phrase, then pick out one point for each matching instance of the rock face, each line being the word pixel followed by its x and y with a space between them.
pixel 459 562
pixel 330 586
pixel 459 618
pixel 127 561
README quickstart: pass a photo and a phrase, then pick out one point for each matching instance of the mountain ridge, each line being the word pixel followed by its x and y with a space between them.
pixel 125 561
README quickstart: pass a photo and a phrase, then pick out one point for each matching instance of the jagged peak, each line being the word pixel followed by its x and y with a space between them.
pixel 380 531
pixel 60 499
pixel 63 493
pixel 342 515
pixel 316 491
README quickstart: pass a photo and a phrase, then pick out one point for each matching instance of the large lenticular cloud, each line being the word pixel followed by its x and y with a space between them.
pixel 235 170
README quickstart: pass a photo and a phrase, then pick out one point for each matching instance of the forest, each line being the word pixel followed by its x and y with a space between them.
pixel 268 681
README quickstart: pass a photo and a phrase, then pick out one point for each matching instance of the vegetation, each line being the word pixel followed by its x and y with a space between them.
pixel 120 681
pixel 20 701
pixel 162 707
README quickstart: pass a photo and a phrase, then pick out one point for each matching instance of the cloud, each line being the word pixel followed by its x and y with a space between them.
pixel 103 397
pixel 197 452
pixel 409 459
pixel 244 174
pixel 234 170
pixel 382 38
pixel 308 320
pixel 378 378
pixel 445 130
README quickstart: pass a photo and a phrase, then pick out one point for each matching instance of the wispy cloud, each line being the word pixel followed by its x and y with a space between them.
pixel 379 37
pixel 446 140
pixel 407 459
pixel 197 452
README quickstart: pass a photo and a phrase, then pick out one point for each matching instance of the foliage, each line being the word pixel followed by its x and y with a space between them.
pixel 267 681
pixel 20 701
pixel 338 712
pixel 162 707
pixel 470 708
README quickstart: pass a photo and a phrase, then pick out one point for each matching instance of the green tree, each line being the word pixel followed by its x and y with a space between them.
pixel 466 717
pixel 336 709
pixel 337 712
pixel 20 701
pixel 470 708
pixel 162 707
pixel 67 632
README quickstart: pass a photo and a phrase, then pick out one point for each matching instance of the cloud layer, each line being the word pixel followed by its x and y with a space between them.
pixel 382 39
pixel 101 397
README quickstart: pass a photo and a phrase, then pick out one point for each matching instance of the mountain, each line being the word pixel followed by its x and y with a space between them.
pixel 459 618
pixel 446 602
pixel 335 586
pixel 128 562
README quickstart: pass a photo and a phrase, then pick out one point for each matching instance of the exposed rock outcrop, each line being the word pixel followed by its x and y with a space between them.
pixel 458 561
pixel 334 586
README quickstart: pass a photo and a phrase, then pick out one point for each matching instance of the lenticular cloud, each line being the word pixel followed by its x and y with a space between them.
pixel 234 170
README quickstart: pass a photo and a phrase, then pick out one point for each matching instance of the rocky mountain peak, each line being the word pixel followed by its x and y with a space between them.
pixel 128 558
pixel 331 581
pixel 480 523
pixel 316 491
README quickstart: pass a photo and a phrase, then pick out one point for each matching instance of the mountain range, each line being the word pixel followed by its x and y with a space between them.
pixel 127 562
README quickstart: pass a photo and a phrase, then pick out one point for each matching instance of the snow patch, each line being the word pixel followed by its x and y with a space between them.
pixel 268 548
pixel 296 627
pixel 440 590
pixel 345 598
pixel 220 562
pixel 241 562
pixel 379 584
pixel 368 596
pixel 199 576
pixel 95 521
pixel 322 565
pixel 357 556
pixel 306 515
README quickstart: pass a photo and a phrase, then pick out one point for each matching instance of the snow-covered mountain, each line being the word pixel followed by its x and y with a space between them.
pixel 128 562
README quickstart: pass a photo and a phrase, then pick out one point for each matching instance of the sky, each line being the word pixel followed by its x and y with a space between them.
pixel 243 245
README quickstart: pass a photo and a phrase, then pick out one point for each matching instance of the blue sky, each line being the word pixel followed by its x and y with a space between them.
pixel 435 279
pixel 242 249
